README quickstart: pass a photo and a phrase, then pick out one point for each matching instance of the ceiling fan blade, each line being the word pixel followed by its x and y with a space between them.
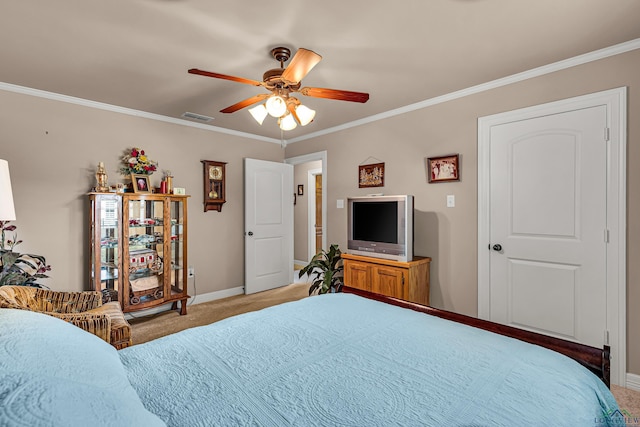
pixel 242 104
pixel 340 95
pixel 225 77
pixel 301 63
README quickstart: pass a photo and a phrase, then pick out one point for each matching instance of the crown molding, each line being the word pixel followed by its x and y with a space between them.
pixel 128 111
pixel 525 75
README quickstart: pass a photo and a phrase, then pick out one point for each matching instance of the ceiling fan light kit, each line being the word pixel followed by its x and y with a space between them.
pixel 282 82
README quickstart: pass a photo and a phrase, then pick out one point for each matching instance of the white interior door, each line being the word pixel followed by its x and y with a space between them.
pixel 548 225
pixel 268 225
pixel 547 205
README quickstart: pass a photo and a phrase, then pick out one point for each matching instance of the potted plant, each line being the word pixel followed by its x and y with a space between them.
pixel 16 268
pixel 325 270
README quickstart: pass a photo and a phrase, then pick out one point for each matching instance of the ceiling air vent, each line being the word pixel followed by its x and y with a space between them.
pixel 198 117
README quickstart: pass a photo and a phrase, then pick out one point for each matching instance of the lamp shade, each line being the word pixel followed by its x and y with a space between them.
pixel 7 210
pixel 259 113
pixel 287 122
pixel 305 114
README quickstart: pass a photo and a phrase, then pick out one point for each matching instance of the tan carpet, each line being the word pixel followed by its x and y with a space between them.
pixel 152 327
pixel 155 326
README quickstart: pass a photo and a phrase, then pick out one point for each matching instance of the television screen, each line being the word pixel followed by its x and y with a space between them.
pixel 376 221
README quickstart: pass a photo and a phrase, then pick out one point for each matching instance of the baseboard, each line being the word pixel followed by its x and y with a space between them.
pixel 212 296
pixel 633 381
pixel 197 299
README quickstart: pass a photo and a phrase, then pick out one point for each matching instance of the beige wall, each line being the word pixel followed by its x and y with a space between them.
pixel 449 235
pixel 53 148
pixel 301 209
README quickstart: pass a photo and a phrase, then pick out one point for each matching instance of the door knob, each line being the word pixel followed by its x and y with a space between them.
pixel 250 233
pixel 497 247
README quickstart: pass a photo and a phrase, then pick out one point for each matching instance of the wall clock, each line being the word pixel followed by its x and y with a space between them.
pixel 214 185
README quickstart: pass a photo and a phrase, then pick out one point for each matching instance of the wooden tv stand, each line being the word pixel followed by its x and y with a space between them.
pixel 408 281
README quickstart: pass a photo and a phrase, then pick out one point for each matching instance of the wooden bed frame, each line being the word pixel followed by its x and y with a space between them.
pixel 592 358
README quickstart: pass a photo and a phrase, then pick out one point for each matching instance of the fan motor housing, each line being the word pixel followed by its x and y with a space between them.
pixel 273 79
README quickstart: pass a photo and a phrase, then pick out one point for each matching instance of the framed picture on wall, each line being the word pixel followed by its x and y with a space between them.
pixel 371 175
pixel 443 168
pixel 300 190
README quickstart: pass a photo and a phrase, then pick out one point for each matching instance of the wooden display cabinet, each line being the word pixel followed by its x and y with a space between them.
pixel 408 281
pixel 139 249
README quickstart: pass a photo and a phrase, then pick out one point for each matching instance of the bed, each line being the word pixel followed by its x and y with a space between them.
pixel 329 360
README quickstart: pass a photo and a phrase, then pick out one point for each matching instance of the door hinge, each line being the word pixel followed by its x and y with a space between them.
pixel 606 337
pixel 606 134
pixel 606 235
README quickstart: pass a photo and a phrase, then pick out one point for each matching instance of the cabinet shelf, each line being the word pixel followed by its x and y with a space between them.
pixel 106 275
pixel 140 274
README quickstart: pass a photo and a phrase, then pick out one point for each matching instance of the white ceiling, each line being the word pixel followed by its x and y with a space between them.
pixel 136 53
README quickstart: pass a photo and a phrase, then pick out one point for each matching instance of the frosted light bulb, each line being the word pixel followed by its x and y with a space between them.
pixel 276 106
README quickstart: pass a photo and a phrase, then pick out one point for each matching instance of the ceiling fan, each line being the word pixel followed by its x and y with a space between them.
pixel 282 82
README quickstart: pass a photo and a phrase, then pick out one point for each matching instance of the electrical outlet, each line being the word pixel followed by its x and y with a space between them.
pixel 191 272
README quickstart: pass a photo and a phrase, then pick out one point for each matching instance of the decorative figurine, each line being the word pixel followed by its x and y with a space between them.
pixel 101 179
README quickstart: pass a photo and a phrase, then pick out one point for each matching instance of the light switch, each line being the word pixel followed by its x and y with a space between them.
pixel 451 201
pixel 340 204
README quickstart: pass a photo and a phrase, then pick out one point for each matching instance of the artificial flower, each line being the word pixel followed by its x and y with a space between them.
pixel 136 161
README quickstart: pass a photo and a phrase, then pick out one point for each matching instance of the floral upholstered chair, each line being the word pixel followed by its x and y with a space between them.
pixel 83 309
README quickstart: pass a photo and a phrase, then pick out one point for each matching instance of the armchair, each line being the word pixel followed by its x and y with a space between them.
pixel 83 309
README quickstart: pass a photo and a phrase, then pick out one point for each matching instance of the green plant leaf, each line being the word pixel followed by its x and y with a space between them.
pixel 325 271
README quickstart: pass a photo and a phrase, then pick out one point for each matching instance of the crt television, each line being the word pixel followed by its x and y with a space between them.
pixel 381 226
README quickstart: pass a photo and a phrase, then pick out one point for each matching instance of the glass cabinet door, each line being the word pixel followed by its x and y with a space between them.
pixel 145 249
pixel 105 239
pixel 178 247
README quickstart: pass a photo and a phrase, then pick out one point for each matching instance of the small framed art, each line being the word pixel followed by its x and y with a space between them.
pixel 443 168
pixel 300 190
pixel 371 175
pixel 140 183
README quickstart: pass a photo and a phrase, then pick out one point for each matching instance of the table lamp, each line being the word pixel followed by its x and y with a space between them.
pixel 7 210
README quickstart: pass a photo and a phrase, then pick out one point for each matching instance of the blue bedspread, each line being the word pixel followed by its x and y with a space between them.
pixel 343 360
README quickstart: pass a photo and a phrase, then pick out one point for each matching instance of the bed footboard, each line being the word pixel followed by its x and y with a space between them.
pixel 594 359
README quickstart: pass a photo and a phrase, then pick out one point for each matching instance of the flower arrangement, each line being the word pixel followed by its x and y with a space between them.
pixel 15 268
pixel 136 161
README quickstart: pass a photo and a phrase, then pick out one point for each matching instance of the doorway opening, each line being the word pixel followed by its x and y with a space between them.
pixel 310 210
